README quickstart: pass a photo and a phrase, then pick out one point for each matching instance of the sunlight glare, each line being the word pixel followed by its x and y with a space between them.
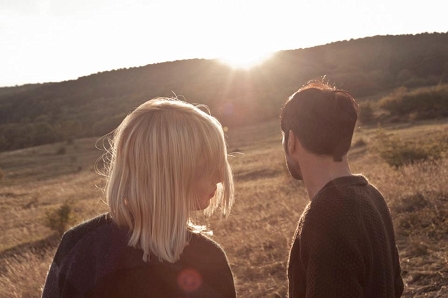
pixel 244 59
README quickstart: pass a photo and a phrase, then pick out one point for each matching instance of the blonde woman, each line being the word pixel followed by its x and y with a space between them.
pixel 168 159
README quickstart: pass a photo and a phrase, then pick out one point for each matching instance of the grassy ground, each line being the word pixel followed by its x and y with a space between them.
pixel 258 234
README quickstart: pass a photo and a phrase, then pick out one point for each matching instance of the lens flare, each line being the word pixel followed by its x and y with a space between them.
pixel 189 280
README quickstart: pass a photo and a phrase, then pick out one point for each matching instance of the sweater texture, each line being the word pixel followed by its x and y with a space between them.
pixel 94 260
pixel 344 245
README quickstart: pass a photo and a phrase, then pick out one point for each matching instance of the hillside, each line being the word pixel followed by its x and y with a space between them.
pixel 93 105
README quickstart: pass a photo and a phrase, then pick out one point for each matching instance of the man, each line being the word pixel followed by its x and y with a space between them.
pixel 344 245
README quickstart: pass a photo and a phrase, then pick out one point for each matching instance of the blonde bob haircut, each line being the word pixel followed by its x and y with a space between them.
pixel 155 155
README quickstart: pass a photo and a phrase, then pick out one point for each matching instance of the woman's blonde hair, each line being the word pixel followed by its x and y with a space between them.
pixel 154 157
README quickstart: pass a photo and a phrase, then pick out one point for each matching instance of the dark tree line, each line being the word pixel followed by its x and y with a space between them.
pixel 94 105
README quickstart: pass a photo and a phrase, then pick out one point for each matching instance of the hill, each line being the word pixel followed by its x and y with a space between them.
pixel 93 105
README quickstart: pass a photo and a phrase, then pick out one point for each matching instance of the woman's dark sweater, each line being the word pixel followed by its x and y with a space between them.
pixel 344 245
pixel 94 260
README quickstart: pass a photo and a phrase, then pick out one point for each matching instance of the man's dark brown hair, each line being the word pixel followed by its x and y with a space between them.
pixel 322 117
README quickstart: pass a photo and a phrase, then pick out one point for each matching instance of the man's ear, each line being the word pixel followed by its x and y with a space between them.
pixel 291 142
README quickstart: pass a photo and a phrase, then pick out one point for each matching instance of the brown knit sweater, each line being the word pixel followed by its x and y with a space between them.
pixel 344 245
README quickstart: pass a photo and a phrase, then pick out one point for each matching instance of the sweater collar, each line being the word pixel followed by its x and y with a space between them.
pixel 345 181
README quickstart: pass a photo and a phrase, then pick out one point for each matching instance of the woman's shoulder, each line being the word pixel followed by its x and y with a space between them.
pixel 91 224
pixel 204 246
pixel 204 240
pixel 91 237
pixel 76 233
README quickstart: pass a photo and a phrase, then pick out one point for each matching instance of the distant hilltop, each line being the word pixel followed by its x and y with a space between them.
pixel 94 105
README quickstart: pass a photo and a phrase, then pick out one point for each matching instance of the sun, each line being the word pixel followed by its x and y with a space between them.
pixel 244 59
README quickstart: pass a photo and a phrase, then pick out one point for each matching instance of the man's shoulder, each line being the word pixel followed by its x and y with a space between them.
pixel 344 192
pixel 336 205
pixel 344 202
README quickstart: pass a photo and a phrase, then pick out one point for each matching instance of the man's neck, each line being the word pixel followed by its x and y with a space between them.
pixel 318 171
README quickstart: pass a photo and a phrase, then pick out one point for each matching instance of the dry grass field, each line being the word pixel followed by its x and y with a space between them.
pixel 258 233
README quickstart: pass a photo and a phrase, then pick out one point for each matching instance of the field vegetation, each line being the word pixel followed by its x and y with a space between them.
pixel 39 180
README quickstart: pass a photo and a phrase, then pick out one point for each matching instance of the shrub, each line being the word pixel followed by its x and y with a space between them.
pixel 59 219
pixel 403 154
pixel 61 151
pixel 410 204
pixel 421 213
pixel 422 103
pixel 398 153
pixel 366 113
pixel 359 143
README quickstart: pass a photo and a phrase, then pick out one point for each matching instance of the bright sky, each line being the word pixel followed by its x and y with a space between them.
pixel 57 40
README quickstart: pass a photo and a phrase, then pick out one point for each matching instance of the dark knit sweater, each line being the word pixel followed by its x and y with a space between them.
pixel 344 245
pixel 94 260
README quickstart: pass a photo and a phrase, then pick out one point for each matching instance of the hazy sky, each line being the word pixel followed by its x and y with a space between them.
pixel 56 40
